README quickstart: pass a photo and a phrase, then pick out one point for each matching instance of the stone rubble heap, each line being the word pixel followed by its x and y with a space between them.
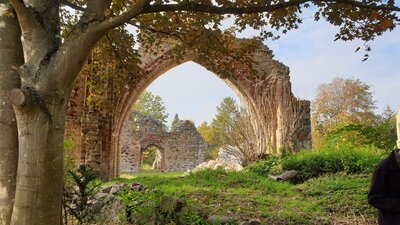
pixel 227 159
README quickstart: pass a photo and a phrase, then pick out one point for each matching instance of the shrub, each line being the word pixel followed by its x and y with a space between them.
pixel 382 135
pixel 344 158
pixel 264 166
pixel 79 195
pixel 140 206
pixel 152 206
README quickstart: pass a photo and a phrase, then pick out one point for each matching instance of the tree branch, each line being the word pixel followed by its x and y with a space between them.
pixel 156 30
pixel 116 52
pixel 22 14
pixel 194 7
pixel 134 11
pixel 143 6
pixel 72 5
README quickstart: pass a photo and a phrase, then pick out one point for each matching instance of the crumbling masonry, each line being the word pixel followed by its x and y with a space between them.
pixel 280 119
pixel 180 149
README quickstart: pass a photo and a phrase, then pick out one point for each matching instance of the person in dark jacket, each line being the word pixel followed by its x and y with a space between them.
pixel 384 193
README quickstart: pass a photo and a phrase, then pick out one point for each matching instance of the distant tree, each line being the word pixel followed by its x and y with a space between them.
pixel 215 133
pixel 387 115
pixel 342 101
pixel 386 127
pixel 241 139
pixel 381 134
pixel 226 113
pixel 207 132
pixel 175 120
pixel 151 105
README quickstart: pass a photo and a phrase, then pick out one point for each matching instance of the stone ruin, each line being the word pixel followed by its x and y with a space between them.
pixel 228 159
pixel 98 135
pixel 180 149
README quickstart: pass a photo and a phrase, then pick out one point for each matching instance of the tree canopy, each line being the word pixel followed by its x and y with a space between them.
pixel 195 21
pixel 340 102
pixel 175 120
pixel 216 132
pixel 343 112
pixel 151 105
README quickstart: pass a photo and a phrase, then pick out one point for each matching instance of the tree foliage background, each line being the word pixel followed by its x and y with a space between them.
pixel 343 111
pixel 151 105
pixel 216 132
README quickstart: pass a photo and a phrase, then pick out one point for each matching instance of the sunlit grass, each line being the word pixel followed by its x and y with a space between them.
pixel 246 195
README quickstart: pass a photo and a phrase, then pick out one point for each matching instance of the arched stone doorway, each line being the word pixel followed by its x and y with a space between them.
pixel 279 118
pixel 268 99
pixel 180 149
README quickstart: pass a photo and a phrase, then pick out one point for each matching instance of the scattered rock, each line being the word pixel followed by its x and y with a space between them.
pixel 291 176
pixel 106 189
pixel 170 204
pixel 227 159
pixel 214 219
pixel 251 222
pixel 137 187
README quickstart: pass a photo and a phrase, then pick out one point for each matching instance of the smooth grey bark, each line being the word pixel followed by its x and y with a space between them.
pixel 47 76
pixel 40 104
pixel 40 165
pixel 11 57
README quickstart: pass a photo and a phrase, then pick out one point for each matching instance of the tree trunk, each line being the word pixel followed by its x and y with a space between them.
pixel 47 78
pixel 11 57
pixel 40 166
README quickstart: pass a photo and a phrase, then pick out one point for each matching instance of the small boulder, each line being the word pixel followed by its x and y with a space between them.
pixel 251 222
pixel 291 176
pixel 215 219
pixel 170 204
pixel 137 187
pixel 106 189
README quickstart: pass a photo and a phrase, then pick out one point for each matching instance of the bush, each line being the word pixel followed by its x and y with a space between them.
pixel 382 135
pixel 264 166
pixel 152 206
pixel 140 206
pixel 344 158
pixel 79 195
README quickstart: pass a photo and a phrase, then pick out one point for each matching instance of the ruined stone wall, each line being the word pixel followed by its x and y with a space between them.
pixel 268 98
pixel 181 149
pixel 184 147
pixel 73 126
pixel 89 131
pixel 303 137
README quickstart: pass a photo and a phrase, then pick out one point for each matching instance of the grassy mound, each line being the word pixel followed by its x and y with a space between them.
pixel 329 199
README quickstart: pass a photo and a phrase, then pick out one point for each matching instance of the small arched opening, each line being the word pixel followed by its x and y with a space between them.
pixel 152 159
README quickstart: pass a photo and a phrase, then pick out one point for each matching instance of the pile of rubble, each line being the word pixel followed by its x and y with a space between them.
pixel 228 159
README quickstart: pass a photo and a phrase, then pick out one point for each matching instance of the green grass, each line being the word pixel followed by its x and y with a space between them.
pixel 329 199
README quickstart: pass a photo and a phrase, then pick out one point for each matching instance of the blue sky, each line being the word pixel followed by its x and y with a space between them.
pixel 313 58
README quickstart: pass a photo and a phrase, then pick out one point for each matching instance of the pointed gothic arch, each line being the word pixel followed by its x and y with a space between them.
pixel 272 92
pixel 268 99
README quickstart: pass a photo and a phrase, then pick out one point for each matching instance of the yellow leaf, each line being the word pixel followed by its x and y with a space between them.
pixel 386 23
